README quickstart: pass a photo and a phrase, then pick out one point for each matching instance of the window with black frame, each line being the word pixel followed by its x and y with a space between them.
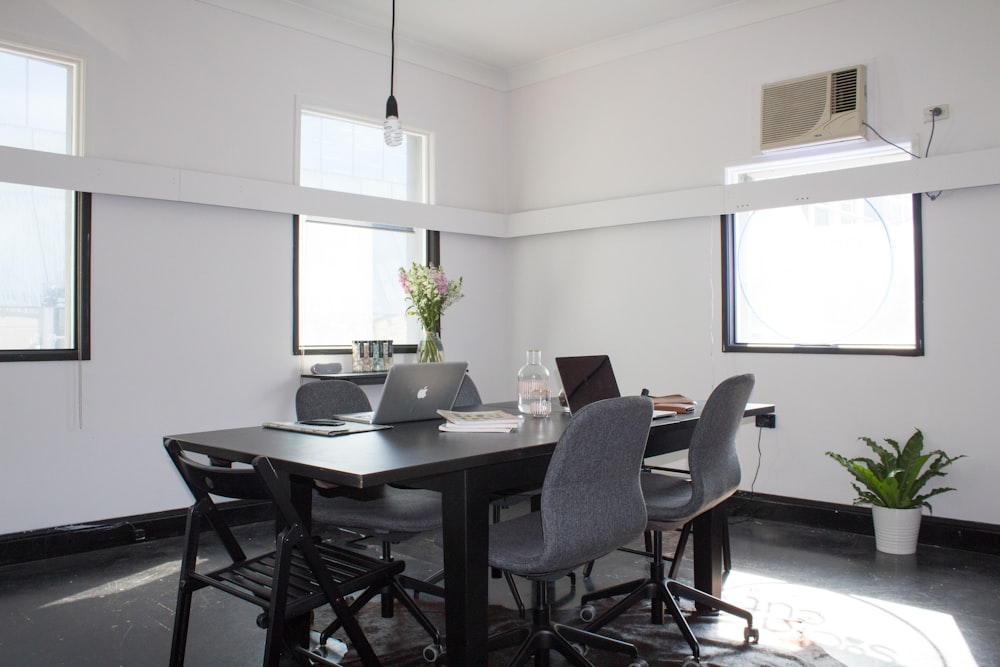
pixel 833 277
pixel 44 232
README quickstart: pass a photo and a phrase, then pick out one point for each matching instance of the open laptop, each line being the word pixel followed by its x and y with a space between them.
pixel 414 392
pixel 589 379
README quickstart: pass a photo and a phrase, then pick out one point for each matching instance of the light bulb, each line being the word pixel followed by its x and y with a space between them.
pixel 393 132
pixel 393 128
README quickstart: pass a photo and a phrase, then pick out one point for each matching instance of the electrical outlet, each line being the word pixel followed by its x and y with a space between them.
pixel 929 113
pixel 764 421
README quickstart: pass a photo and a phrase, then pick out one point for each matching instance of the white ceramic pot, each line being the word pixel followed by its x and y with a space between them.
pixel 896 531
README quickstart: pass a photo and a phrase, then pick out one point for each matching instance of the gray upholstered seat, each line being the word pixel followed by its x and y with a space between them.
pixel 384 512
pixel 673 502
pixel 591 504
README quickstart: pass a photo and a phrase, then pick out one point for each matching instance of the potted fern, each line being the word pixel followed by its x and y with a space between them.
pixel 893 484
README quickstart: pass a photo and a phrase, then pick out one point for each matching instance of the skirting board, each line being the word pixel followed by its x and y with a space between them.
pixel 934 531
pixel 79 538
pixel 68 540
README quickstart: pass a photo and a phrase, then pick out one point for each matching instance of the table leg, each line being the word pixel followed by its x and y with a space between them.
pixel 708 534
pixel 465 510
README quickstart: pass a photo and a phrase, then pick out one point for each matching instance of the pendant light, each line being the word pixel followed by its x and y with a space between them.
pixel 392 127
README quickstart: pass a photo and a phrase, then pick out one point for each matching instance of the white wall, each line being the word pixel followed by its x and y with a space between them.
pixel 650 293
pixel 192 303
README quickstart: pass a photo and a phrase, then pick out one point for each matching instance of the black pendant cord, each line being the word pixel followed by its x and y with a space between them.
pixel 392 49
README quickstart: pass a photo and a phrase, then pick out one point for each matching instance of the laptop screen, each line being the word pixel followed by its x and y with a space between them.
pixel 587 379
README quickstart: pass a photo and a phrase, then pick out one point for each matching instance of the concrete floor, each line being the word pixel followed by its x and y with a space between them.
pixel 937 607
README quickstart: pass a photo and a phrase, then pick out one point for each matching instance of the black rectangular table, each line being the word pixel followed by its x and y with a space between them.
pixel 467 468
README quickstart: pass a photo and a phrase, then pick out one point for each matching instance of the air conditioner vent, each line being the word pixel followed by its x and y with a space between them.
pixel 813 109
pixel 845 91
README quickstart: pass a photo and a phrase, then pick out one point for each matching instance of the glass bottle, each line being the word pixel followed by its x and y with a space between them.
pixel 533 386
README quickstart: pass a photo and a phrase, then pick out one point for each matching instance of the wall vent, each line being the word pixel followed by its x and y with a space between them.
pixel 813 109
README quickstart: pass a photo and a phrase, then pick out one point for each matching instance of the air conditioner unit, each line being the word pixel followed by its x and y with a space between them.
pixel 813 109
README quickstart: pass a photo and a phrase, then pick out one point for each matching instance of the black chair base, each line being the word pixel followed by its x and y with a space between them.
pixel 544 636
pixel 662 592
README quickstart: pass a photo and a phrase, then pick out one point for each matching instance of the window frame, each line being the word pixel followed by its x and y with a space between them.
pixel 433 252
pixel 432 245
pixel 80 348
pixel 729 288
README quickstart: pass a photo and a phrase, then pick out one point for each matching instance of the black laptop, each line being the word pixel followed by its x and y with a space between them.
pixel 591 378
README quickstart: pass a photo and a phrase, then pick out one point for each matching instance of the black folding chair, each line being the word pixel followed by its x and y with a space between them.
pixel 289 581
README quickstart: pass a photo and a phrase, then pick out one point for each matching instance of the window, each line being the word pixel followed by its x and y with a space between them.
pixel 346 272
pixel 44 232
pixel 836 277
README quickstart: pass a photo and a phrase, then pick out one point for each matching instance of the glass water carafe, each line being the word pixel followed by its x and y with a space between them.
pixel 533 387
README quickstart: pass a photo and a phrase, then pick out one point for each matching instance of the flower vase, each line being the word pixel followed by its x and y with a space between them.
pixel 430 348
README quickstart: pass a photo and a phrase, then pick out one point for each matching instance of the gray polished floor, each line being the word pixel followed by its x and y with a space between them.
pixel 938 607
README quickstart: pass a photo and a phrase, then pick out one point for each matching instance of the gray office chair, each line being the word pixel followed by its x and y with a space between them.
pixel 468 394
pixel 385 512
pixel 673 502
pixel 591 504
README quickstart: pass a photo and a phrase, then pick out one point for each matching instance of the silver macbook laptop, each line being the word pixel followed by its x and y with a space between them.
pixel 589 379
pixel 414 392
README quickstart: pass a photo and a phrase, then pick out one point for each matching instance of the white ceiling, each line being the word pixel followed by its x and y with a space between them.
pixel 510 33
pixel 505 44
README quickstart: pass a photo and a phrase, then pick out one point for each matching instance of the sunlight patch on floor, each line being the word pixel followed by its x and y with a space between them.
pixel 858 631
pixel 118 585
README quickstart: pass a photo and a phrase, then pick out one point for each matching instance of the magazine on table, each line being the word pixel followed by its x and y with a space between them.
pixel 480 421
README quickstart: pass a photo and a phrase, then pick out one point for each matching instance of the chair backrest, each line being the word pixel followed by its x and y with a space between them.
pixel 205 481
pixel 322 399
pixel 468 395
pixel 591 499
pixel 712 458
pixel 259 482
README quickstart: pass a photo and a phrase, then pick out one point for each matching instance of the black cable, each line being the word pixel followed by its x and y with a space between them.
pixel 749 499
pixel 889 142
pixel 931 138
pixel 934 116
pixel 760 455
pixel 392 49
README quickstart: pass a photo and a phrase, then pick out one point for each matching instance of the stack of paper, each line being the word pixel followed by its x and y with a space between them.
pixel 484 421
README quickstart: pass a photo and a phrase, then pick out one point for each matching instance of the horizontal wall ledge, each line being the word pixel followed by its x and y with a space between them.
pixel 129 179
pixel 946 172
pixel 102 176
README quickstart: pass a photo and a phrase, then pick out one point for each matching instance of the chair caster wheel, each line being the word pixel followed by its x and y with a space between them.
pixel 691 662
pixel 262 621
pixel 432 652
pixel 751 635
pixel 638 662
pixel 588 613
